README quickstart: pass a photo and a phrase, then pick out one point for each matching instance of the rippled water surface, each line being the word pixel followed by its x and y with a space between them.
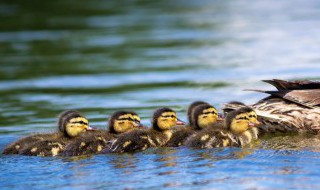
pixel 101 56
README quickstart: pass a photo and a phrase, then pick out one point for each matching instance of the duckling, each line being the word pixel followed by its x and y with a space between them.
pixel 203 115
pixel 192 108
pixel 22 143
pixel 236 131
pixel 293 107
pixel 73 125
pixel 95 141
pixel 163 120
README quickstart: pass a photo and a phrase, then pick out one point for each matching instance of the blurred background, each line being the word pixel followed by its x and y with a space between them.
pixel 101 56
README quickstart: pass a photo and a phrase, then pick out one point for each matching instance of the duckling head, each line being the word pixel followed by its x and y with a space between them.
pixel 253 117
pixel 123 121
pixel 191 109
pixel 165 118
pixel 238 120
pixel 63 116
pixel 74 124
pixel 227 110
pixel 204 115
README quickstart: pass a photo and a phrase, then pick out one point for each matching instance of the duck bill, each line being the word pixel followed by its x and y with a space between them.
pixel 89 128
pixel 258 123
pixel 138 125
pixel 220 117
pixel 251 124
pixel 179 122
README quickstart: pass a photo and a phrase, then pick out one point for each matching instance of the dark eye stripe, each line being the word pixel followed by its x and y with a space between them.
pixel 167 116
pixel 245 118
pixel 126 119
pixel 81 122
pixel 212 112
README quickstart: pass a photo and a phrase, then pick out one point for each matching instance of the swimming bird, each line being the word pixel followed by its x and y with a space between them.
pixel 237 130
pixel 138 140
pixel 293 107
pixel 22 143
pixel 71 125
pixel 203 115
pixel 94 141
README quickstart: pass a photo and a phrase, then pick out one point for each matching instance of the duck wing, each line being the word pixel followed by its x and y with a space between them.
pixel 293 85
pixel 309 98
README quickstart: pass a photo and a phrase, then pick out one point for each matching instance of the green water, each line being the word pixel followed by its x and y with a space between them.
pixel 102 56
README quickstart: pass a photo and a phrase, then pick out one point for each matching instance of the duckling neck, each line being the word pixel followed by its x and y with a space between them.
pixel 167 133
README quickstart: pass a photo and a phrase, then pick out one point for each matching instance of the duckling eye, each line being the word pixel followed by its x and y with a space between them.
pixel 243 118
pixel 252 116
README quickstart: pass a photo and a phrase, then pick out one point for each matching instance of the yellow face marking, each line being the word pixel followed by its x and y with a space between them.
pixel 208 117
pixel 240 123
pixel 77 125
pixel 167 120
pixel 125 123
pixel 136 118
pixel 125 116
pixel 82 144
pixel 210 111
pixel 253 117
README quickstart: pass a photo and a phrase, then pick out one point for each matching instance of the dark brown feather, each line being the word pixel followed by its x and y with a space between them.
pixel 309 98
pixel 293 85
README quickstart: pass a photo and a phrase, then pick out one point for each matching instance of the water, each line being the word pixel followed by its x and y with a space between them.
pixel 102 56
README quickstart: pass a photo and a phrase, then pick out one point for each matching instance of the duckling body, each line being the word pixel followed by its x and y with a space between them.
pixel 294 107
pixel 94 142
pixel 25 142
pixel 203 115
pixel 73 124
pixel 138 140
pixel 234 132
pixel 46 147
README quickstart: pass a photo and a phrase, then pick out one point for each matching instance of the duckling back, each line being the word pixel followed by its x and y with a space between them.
pixel 45 147
pixel 17 146
pixel 138 140
pixel 90 143
pixel 211 138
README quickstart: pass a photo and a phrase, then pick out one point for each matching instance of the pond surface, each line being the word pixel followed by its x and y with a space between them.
pixel 102 56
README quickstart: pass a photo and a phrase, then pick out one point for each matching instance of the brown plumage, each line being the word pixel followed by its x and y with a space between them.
pixel 294 107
